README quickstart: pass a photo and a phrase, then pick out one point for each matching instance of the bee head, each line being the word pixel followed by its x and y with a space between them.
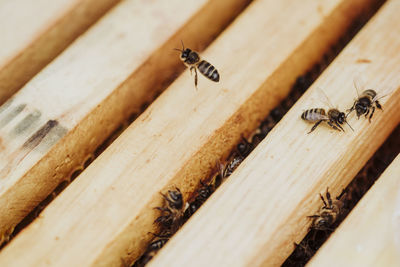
pixel 175 199
pixel 361 109
pixel 185 53
pixel 341 118
pixel 325 220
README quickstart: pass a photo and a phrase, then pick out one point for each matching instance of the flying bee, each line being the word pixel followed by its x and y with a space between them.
pixel 171 213
pixel 328 214
pixel 193 61
pixel 365 102
pixel 333 117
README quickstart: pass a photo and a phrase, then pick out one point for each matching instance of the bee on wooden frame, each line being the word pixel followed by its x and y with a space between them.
pixel 203 193
pixel 244 148
pixel 193 61
pixel 333 117
pixel 151 251
pixel 172 212
pixel 366 101
pixel 327 214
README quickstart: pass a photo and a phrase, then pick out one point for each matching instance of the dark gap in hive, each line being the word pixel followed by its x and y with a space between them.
pixel 116 133
pixel 209 184
pixel 362 182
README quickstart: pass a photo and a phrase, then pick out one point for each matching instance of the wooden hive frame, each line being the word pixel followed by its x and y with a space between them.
pixel 33 33
pixel 50 128
pixel 104 217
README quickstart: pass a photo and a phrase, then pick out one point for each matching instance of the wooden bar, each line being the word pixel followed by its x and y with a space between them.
pixel 255 217
pixel 49 127
pixel 370 235
pixel 34 32
pixel 103 217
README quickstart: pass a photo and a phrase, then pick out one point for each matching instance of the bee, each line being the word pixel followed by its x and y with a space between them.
pixel 365 102
pixel 193 61
pixel 151 251
pixel 244 148
pixel 333 117
pixel 172 212
pixel 202 195
pixel 226 170
pixel 328 214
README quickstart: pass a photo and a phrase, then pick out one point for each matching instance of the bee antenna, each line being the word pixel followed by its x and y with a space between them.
pixel 183 47
pixel 350 126
pixel 178 50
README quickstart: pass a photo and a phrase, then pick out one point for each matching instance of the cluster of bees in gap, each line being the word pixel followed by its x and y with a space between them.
pixel 173 216
pixel 175 211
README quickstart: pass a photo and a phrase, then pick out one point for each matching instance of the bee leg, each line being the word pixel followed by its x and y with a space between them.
pixel 378 105
pixel 162 209
pixel 323 200
pixel 195 75
pixel 339 126
pixel 351 109
pixel 372 113
pixel 328 197
pixel 366 114
pixel 167 235
pixel 315 126
pixel 333 126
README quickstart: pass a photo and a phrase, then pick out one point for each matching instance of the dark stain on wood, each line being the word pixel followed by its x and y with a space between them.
pixel 27 122
pixel 11 115
pixel 363 60
pixel 40 134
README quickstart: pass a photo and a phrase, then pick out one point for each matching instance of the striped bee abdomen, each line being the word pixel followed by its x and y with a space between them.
pixel 371 93
pixel 314 114
pixel 208 70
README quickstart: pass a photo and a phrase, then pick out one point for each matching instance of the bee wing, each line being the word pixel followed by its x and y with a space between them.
pixel 384 93
pixel 324 98
pixel 359 84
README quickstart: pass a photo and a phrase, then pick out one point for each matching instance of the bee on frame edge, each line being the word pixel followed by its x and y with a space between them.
pixel 333 117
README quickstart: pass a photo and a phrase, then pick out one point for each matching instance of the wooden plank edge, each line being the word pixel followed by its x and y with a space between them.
pixel 49 43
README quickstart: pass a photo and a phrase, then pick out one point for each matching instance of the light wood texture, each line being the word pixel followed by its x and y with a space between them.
pixel 103 217
pixel 65 112
pixel 35 32
pixel 254 218
pixel 370 235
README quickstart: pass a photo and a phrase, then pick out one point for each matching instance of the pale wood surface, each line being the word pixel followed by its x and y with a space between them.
pixel 51 125
pixel 254 218
pixel 370 235
pixel 105 215
pixel 34 32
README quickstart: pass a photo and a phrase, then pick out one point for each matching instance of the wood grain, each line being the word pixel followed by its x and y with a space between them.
pixel 103 217
pixel 34 32
pixel 370 235
pixel 61 116
pixel 254 218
